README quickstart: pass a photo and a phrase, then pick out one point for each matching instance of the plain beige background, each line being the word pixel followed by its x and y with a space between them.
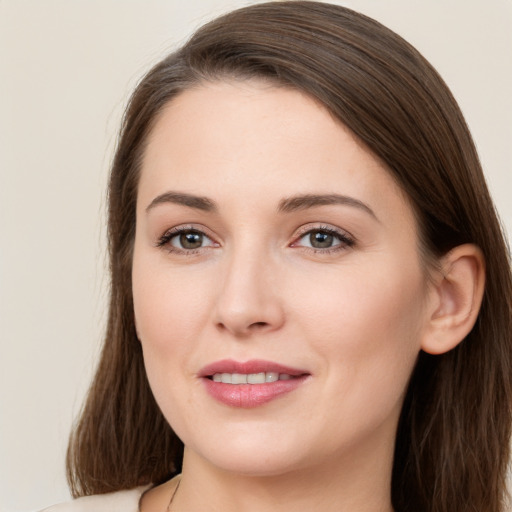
pixel 66 69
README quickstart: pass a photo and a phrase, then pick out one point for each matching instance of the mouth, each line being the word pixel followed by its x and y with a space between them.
pixel 250 384
pixel 250 378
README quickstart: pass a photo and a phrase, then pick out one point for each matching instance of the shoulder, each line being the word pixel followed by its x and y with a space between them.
pixel 121 501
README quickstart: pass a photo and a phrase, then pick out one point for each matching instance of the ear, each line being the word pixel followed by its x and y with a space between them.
pixel 456 296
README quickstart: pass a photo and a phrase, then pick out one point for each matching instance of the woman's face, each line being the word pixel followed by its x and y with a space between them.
pixel 272 246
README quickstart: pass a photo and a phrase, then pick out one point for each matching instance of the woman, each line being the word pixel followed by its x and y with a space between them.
pixel 311 294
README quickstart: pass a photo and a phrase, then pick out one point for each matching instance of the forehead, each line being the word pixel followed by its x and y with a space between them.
pixel 238 139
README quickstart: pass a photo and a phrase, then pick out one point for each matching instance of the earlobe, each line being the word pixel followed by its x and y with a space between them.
pixel 457 296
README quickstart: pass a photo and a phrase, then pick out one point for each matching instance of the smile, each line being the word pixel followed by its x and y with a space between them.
pixel 251 378
pixel 251 383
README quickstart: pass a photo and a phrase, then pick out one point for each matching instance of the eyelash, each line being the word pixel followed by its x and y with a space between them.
pixel 345 240
pixel 165 240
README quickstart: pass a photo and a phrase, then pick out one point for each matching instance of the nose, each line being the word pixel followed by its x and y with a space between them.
pixel 249 300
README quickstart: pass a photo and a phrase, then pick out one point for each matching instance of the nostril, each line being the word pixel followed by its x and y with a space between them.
pixel 258 325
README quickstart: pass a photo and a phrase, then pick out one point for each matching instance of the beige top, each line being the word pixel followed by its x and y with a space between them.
pixel 121 501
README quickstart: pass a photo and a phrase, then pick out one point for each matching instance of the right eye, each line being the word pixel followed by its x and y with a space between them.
pixel 185 240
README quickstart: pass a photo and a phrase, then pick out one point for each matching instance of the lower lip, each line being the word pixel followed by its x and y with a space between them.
pixel 251 395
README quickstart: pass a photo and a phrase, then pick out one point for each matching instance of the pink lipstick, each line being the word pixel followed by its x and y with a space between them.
pixel 251 383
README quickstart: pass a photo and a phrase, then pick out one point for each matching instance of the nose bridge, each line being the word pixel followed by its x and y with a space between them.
pixel 248 300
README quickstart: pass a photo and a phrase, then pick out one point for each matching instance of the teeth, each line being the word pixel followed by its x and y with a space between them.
pixel 251 378
pixel 238 378
pixel 271 376
pixel 256 378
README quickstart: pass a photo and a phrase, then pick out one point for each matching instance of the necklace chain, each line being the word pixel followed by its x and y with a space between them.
pixel 168 509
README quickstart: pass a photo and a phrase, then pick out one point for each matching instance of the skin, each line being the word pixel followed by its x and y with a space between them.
pixel 353 316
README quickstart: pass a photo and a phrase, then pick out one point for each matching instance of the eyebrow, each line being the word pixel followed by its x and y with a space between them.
pixel 287 205
pixel 306 201
pixel 190 200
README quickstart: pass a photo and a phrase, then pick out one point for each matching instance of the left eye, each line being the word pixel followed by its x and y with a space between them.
pixel 323 239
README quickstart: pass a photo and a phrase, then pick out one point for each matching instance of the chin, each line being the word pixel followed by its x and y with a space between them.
pixel 255 459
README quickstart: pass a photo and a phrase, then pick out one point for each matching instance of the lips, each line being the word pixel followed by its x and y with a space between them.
pixel 251 383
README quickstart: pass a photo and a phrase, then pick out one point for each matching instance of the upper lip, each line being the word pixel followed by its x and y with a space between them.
pixel 248 367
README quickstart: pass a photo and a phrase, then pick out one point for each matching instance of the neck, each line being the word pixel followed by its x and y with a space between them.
pixel 332 487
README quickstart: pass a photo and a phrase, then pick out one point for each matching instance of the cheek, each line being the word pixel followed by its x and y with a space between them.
pixel 366 328
pixel 170 310
pixel 367 321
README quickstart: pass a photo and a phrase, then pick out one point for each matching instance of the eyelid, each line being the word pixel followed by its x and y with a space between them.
pixel 163 241
pixel 345 238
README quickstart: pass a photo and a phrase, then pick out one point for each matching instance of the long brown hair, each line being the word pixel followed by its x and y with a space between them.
pixel 453 435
